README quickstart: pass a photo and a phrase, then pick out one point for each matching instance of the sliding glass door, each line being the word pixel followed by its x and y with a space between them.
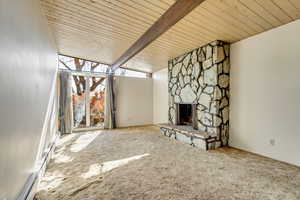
pixel 78 101
pixel 88 101
pixel 97 101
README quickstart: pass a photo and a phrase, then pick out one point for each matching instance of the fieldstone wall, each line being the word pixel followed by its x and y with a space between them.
pixel 202 76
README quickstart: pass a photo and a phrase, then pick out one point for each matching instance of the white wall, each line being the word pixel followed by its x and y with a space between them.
pixel 134 101
pixel 265 94
pixel 160 96
pixel 28 63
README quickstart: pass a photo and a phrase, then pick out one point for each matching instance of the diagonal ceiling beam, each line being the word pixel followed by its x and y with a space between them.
pixel 176 12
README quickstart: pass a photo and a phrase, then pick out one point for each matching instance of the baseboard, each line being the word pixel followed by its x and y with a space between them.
pixel 28 187
pixel 32 182
pixel 261 155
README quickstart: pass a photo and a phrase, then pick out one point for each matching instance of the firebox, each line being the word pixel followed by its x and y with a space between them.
pixel 186 114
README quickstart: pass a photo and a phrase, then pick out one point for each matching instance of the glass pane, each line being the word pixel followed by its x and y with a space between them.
pixel 77 64
pixel 66 63
pixel 131 73
pixel 100 68
pixel 97 101
pixel 78 98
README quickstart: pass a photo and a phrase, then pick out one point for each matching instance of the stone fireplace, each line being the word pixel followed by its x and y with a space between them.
pixel 201 78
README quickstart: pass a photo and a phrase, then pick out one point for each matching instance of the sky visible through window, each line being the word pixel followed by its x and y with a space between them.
pixel 69 63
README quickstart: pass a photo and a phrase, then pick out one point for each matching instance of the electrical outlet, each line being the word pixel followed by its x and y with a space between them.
pixel 272 142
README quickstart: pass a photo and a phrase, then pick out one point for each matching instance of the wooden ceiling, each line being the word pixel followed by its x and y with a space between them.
pixel 102 30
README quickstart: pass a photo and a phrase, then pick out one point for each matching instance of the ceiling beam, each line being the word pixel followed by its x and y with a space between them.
pixel 176 12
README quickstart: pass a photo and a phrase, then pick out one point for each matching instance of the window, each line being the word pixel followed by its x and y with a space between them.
pixel 131 73
pixel 77 64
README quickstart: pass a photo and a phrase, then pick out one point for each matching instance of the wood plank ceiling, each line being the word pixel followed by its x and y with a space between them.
pixel 102 30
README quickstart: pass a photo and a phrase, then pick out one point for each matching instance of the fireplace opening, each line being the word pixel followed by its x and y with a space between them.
pixel 185 114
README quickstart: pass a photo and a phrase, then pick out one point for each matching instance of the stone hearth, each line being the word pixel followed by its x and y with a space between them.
pixel 189 135
pixel 201 77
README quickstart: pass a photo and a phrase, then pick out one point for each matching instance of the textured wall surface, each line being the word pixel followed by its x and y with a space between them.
pixel 202 76
pixel 265 85
pixel 28 63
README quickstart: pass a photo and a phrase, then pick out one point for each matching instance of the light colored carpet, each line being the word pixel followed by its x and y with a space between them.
pixel 140 163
